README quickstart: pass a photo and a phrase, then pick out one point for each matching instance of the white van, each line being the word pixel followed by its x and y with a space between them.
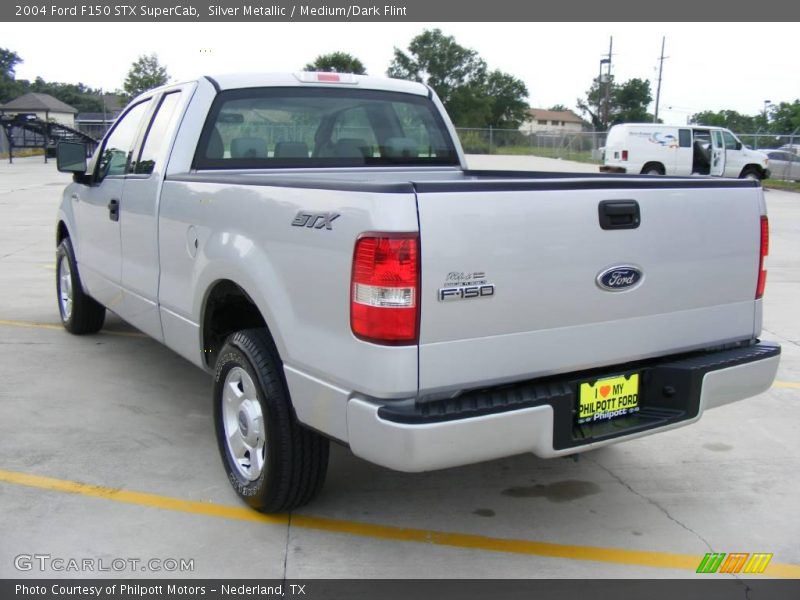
pixel 655 149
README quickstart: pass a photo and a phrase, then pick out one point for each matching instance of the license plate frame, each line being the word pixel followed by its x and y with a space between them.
pixel 608 398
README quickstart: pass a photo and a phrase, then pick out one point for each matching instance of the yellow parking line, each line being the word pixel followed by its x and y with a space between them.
pixel 32 324
pixel 36 325
pixel 645 558
pixel 786 384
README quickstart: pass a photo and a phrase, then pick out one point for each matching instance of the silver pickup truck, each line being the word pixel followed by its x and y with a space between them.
pixel 317 242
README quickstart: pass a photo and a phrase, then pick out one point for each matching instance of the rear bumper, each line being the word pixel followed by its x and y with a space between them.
pixel 610 169
pixel 539 417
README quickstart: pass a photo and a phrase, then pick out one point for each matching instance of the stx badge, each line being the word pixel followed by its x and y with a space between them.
pixel 314 220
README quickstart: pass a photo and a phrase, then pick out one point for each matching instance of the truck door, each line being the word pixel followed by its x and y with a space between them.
pixel 717 153
pixel 139 225
pixel 683 154
pixel 734 156
pixel 98 209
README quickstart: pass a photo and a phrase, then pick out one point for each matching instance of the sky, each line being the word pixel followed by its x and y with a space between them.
pixel 711 66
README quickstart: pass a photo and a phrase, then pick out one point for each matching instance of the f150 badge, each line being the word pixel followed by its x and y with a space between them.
pixel 619 278
pixel 314 219
pixel 466 286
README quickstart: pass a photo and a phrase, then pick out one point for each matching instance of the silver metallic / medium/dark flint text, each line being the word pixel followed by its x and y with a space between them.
pixel 48 562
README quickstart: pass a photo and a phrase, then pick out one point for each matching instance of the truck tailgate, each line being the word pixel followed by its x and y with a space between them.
pixel 541 246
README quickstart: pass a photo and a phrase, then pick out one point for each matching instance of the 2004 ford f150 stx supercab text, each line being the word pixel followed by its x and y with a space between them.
pixel 316 241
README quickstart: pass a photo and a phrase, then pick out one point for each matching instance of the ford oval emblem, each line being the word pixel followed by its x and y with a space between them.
pixel 619 278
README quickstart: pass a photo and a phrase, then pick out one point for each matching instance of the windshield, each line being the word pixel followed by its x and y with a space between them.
pixel 322 127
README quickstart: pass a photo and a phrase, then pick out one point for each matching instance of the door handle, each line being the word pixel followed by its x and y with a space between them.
pixel 113 209
pixel 619 214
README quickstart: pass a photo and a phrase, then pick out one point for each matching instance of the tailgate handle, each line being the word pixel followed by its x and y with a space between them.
pixel 619 214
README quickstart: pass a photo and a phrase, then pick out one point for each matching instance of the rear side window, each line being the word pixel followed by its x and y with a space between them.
pixel 322 127
pixel 154 141
pixel 685 138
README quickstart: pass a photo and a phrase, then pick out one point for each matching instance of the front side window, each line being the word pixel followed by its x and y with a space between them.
pixel 117 149
pixel 730 141
pixel 322 127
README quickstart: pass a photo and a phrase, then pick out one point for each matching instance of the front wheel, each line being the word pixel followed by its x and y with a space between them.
pixel 751 173
pixel 272 461
pixel 79 312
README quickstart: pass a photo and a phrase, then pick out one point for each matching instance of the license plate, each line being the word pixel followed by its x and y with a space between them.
pixel 608 398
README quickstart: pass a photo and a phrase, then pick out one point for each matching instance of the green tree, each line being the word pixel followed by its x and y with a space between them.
pixel 473 96
pixel 337 62
pixel 785 117
pixel 731 119
pixel 632 99
pixel 558 108
pixel 608 103
pixel 9 87
pixel 145 74
pixel 77 95
pixel 508 95
pixel 594 105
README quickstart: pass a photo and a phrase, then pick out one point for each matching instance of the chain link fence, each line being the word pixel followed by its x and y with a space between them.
pixel 769 141
pixel 581 146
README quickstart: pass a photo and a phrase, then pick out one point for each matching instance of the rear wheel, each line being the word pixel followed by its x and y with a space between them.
pixel 79 312
pixel 653 169
pixel 272 461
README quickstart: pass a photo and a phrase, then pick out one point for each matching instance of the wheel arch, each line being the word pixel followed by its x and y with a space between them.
pixel 227 308
pixel 753 167
pixel 62 232
pixel 653 164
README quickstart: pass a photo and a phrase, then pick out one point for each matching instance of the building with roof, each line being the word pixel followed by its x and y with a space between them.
pixel 44 106
pixel 96 124
pixel 541 120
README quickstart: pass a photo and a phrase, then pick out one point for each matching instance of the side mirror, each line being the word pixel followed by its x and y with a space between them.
pixel 738 145
pixel 71 157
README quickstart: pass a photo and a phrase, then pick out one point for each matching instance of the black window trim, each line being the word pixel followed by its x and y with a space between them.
pixel 201 163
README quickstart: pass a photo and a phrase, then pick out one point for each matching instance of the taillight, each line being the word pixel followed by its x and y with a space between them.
pixel 624 155
pixel 762 272
pixel 384 296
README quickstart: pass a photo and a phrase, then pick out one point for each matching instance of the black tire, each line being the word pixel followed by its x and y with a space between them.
pixel 86 314
pixel 295 458
pixel 751 173
pixel 652 169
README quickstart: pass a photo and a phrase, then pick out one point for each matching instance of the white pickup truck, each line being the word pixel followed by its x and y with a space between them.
pixel 317 242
